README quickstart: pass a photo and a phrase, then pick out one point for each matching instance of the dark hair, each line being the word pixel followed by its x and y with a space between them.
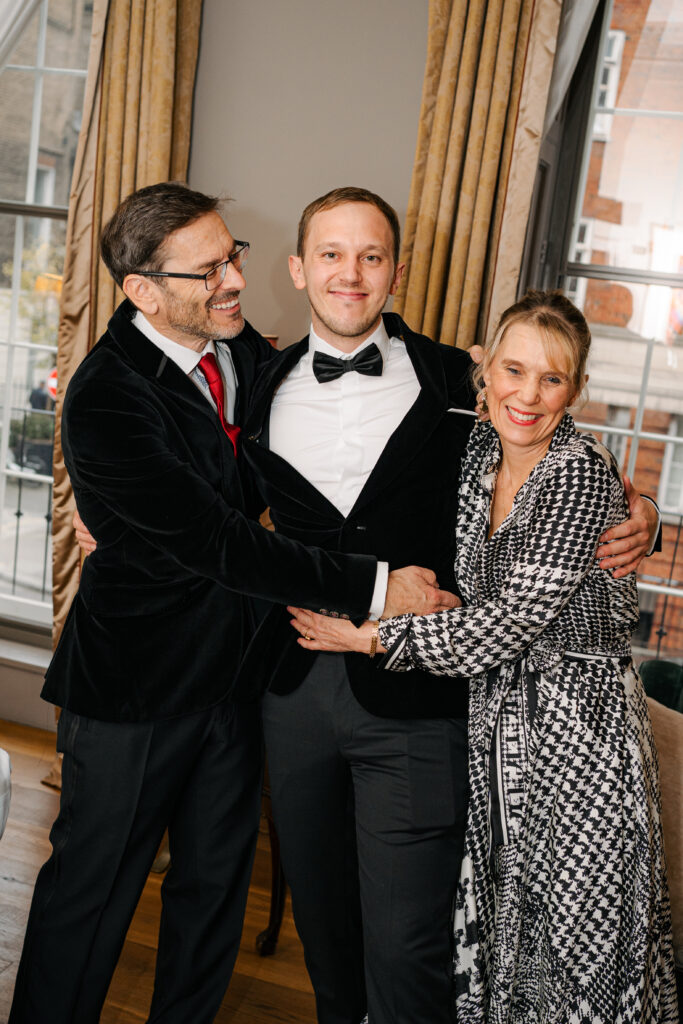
pixel 557 319
pixel 349 194
pixel 133 239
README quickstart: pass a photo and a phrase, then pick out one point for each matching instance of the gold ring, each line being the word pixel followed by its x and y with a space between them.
pixel 307 637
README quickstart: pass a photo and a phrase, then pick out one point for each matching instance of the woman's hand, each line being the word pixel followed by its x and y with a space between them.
pixel 325 633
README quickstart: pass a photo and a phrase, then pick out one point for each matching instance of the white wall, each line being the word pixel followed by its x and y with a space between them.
pixel 293 98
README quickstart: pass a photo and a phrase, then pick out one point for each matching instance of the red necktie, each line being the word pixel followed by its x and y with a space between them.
pixel 209 367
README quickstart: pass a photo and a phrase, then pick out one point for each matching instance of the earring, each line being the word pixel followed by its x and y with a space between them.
pixel 481 400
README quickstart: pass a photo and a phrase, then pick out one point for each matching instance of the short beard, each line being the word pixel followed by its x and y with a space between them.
pixel 346 330
pixel 191 323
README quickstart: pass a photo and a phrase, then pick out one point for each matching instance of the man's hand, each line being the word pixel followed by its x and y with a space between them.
pixel 623 547
pixel 415 590
pixel 86 541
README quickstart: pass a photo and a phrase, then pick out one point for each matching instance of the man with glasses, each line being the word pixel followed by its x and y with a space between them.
pixel 145 664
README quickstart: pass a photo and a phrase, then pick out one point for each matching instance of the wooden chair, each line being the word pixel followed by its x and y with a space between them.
pixel 266 941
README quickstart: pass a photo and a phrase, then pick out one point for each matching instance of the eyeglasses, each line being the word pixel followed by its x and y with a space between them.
pixel 214 277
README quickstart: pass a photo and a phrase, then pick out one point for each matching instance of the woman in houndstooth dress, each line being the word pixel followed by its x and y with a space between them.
pixel 562 911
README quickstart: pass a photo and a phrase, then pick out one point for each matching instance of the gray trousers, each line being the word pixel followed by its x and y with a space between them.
pixel 374 921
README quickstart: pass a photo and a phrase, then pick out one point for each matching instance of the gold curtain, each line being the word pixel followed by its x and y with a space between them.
pixel 136 131
pixel 489 64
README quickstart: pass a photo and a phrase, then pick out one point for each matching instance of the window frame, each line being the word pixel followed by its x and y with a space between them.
pixel 23 610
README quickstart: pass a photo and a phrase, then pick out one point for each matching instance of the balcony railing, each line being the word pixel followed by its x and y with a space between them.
pixel 26 517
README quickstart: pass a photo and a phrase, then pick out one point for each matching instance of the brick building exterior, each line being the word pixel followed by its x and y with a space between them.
pixel 631 218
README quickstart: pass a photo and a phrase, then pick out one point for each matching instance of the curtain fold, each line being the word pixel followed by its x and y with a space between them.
pixel 470 151
pixel 136 131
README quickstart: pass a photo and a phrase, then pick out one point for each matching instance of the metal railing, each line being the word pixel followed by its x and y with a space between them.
pixel 25 539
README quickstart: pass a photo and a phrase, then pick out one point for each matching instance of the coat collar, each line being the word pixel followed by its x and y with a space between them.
pixel 410 435
pixel 417 426
pixel 152 363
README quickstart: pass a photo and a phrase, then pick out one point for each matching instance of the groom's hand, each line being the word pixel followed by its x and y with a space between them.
pixel 623 547
pixel 415 590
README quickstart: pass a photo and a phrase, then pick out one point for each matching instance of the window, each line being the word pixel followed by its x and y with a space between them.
pixel 616 440
pixel 576 286
pixel 41 101
pixel 624 268
pixel 608 84
pixel 671 481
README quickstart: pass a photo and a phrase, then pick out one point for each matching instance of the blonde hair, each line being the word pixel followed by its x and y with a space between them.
pixel 559 323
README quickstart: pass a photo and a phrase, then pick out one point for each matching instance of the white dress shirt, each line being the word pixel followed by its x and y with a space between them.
pixel 334 433
pixel 188 361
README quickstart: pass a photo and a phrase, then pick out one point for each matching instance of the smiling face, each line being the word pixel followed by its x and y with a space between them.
pixel 348 271
pixel 182 309
pixel 528 389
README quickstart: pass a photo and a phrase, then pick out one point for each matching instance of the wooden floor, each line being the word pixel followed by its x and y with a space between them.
pixel 268 989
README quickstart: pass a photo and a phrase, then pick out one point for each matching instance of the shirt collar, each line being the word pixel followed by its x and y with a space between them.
pixel 379 337
pixel 186 358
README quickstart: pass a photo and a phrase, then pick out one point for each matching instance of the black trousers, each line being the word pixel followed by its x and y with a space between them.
pixel 122 785
pixel 376 932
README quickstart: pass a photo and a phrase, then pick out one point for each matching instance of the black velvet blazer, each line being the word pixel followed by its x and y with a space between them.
pixel 160 621
pixel 405 515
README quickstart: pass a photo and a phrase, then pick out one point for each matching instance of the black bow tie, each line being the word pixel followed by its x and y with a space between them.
pixel 368 361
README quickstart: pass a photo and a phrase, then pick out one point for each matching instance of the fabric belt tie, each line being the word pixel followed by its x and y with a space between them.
pixel 208 364
pixel 368 362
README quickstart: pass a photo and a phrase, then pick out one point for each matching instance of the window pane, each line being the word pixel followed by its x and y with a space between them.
pixel 68 33
pixel 25 49
pixel 36 283
pixel 633 186
pixel 7 226
pixel 59 127
pixel 623 318
pixel 629 314
pixel 652 71
pixel 16 104
pixel 32 427
pixel 25 562
pixel 637 225
pixel 660 631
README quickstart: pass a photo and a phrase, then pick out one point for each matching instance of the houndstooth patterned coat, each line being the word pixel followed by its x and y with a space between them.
pixel 562 912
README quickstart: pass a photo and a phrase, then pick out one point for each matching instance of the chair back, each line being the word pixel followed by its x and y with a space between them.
pixel 663 682
pixel 5 788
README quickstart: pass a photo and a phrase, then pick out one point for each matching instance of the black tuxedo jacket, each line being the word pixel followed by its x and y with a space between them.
pixel 405 515
pixel 160 621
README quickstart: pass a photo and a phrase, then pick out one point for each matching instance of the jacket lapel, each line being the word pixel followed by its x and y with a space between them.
pixel 278 471
pixel 161 371
pixel 415 429
pixel 267 384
